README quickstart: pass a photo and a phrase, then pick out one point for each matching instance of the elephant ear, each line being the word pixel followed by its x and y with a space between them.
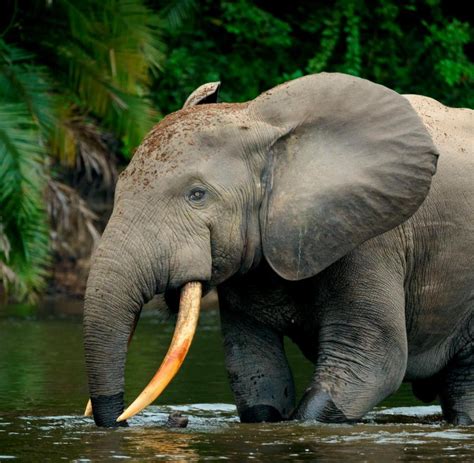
pixel 204 94
pixel 353 161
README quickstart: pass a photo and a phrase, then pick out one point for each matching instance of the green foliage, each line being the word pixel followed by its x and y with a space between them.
pixel 248 23
pixel 103 54
pixel 79 64
pixel 417 46
pixel 329 38
pixel 26 117
pixel 447 42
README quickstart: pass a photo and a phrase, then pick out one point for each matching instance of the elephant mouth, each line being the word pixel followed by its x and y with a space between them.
pixel 173 296
pixel 188 316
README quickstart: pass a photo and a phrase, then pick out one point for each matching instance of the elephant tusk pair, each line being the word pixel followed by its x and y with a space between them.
pixel 188 316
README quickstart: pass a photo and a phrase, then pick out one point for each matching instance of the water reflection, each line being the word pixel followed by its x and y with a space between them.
pixel 214 433
pixel 43 391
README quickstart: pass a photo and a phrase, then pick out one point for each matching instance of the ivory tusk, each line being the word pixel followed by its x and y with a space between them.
pixel 189 306
pixel 88 410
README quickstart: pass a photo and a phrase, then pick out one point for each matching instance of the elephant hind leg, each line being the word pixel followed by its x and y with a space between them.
pixel 457 389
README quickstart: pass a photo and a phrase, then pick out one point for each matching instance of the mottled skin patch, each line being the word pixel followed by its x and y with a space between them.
pixel 179 138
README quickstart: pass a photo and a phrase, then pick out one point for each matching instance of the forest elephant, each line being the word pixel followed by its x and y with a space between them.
pixel 315 211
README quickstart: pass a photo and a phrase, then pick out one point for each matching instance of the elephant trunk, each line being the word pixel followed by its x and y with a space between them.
pixel 121 280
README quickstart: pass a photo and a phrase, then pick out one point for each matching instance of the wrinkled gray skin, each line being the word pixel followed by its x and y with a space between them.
pixel 310 209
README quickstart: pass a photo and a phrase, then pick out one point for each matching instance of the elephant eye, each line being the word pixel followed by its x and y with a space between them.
pixel 197 195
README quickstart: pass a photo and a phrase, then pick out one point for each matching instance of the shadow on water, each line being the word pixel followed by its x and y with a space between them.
pixel 43 393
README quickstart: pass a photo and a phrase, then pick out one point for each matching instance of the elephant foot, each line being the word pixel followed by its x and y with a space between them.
pixel 318 405
pixel 460 419
pixel 457 389
pixel 457 410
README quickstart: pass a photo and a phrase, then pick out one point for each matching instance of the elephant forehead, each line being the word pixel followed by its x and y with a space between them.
pixel 185 131
pixel 185 141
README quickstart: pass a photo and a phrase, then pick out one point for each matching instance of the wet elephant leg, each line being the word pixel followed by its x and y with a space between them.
pixel 258 370
pixel 362 348
pixel 457 388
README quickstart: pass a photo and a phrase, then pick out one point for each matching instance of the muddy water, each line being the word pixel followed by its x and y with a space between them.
pixel 43 392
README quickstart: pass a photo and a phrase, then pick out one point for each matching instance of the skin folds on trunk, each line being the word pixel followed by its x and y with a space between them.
pixel 116 291
pixel 88 410
pixel 118 286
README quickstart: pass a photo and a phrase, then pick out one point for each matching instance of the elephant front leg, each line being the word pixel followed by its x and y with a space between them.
pixel 362 349
pixel 258 370
pixel 351 377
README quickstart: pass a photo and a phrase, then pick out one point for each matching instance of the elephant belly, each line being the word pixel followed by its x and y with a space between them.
pixel 428 354
pixel 439 281
pixel 439 324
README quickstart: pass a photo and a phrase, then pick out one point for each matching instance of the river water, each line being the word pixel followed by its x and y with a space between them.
pixel 43 393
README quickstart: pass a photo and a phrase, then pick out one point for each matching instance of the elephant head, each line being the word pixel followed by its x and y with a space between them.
pixel 299 177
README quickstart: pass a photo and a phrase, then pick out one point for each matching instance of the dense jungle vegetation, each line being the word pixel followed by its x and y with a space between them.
pixel 81 82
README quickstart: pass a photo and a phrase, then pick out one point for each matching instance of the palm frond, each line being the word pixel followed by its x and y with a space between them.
pixel 73 224
pixel 31 84
pixel 109 54
pixel 176 11
pixel 22 214
pixel 93 157
pixel 4 242
pixel 62 142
